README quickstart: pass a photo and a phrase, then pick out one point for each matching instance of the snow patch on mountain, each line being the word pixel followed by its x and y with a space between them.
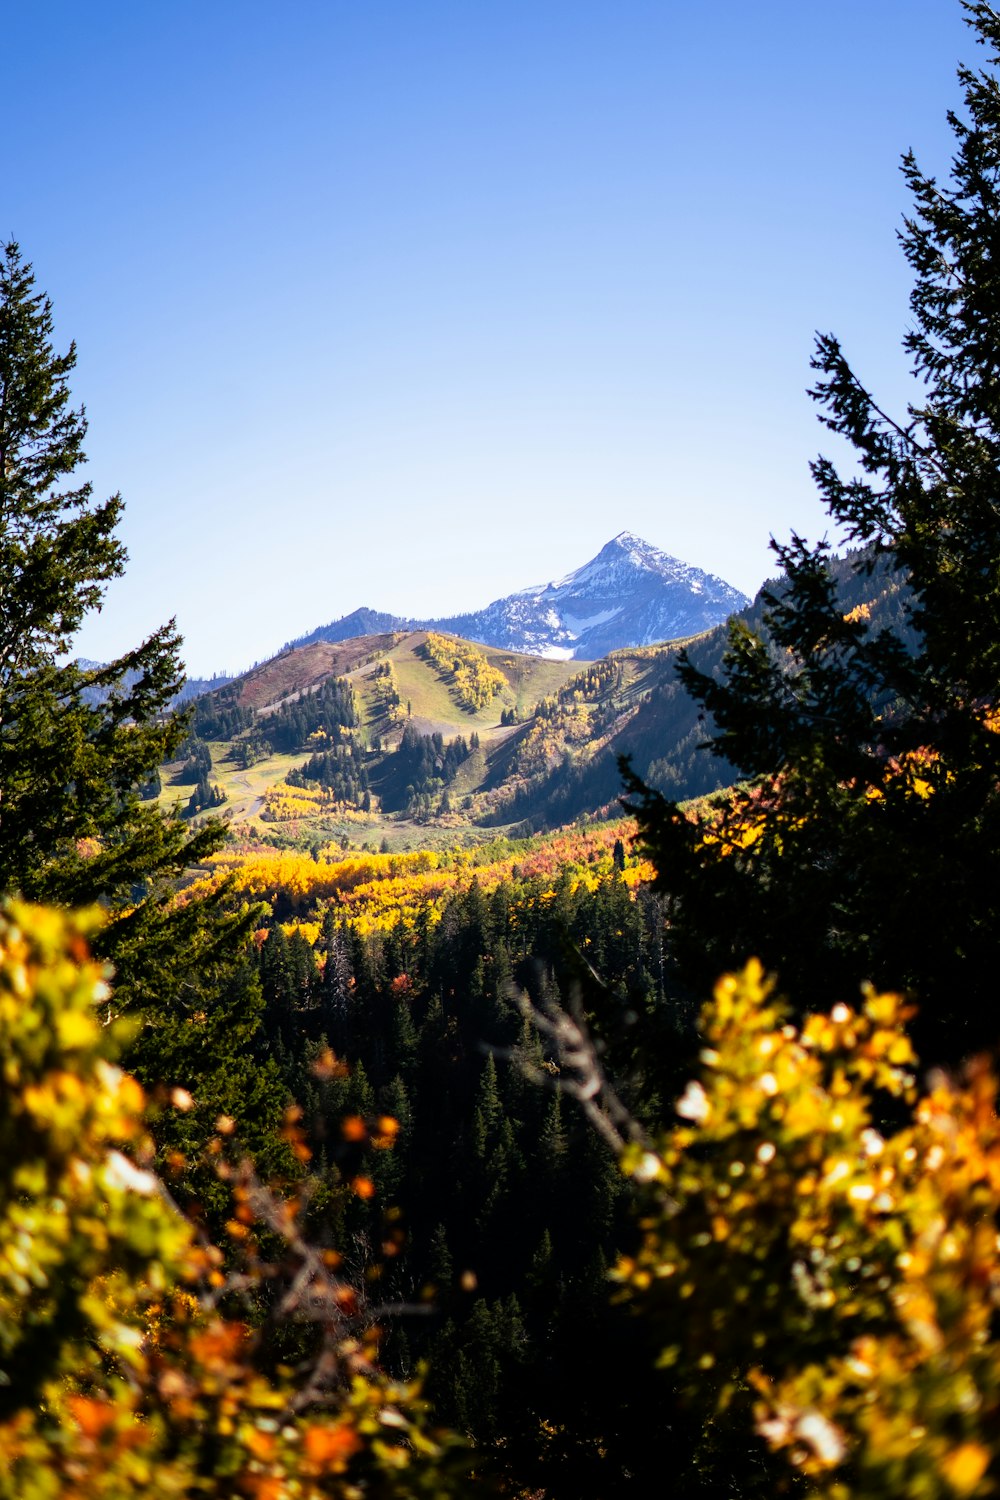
pixel 630 594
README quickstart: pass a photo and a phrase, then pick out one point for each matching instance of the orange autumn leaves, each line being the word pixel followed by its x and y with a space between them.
pixel 737 820
pixel 330 1447
pixel 381 891
pixel 838 1281
pixel 123 1373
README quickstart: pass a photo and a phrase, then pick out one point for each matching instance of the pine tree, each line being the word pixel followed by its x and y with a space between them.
pixel 57 549
pixel 867 842
pixel 79 746
pixel 440 1266
pixel 488 1109
pixel 76 746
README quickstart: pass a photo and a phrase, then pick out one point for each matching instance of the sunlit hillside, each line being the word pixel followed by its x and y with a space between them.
pixel 384 891
pixel 418 737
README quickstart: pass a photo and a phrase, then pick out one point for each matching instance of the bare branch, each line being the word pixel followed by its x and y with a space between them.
pixel 581 1074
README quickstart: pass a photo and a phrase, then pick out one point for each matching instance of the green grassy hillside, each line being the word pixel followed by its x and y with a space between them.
pixel 399 693
pixel 429 699
pixel 371 741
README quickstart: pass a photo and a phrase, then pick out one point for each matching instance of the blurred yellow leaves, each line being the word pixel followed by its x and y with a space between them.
pixel 831 1274
pixel 120 1377
pixel 965 1467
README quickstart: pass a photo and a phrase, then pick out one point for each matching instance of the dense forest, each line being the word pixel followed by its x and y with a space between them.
pixel 505 1206
pixel 664 1147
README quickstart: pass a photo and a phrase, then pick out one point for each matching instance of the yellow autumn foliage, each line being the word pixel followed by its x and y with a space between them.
pixel 382 891
pixel 836 1280
pixel 119 1376
pixel 474 682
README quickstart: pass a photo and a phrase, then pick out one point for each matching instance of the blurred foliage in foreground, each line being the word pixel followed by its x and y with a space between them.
pixel 134 1357
pixel 832 1284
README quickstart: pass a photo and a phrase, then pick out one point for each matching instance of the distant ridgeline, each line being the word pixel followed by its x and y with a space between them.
pixel 630 594
pixel 429 727
pixel 664 731
pixel 359 622
pixel 192 687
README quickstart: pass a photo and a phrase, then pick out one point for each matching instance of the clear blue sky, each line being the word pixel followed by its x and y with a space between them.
pixel 411 303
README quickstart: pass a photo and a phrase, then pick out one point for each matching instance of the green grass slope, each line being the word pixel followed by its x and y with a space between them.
pixel 557 760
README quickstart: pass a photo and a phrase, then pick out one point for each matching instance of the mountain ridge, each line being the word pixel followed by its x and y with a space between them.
pixel 629 594
pixel 537 748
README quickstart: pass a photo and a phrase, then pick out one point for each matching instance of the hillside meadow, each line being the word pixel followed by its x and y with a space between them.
pixel 433 738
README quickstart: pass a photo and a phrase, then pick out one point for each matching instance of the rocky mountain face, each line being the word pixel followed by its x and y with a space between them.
pixel 630 594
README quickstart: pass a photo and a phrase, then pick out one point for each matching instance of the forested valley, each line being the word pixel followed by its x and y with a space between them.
pixel 403 1137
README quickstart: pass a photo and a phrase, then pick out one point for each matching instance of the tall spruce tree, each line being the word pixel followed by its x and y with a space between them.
pixel 75 744
pixel 866 844
pixel 78 746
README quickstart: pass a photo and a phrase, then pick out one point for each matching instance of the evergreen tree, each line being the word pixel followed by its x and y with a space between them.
pixel 867 843
pixel 76 745
pixel 440 1265
pixel 488 1110
pixel 79 746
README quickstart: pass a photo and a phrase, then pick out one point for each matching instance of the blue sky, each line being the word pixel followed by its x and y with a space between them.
pixel 410 303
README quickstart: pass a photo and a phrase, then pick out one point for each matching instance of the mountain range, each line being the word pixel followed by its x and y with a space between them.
pixel 630 594
pixel 369 739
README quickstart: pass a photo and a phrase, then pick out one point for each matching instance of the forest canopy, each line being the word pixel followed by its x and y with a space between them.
pixel 426 1175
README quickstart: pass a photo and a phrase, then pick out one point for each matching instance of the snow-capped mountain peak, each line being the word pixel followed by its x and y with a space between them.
pixel 631 593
